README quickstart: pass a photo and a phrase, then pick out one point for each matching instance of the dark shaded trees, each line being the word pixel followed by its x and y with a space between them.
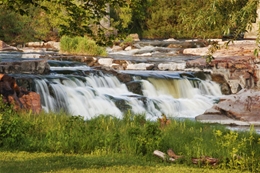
pixel 148 18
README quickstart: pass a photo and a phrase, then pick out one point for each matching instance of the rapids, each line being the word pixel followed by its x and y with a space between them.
pixel 164 92
pixel 80 90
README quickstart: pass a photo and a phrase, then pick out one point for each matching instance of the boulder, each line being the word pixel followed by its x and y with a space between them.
pixel 18 97
pixel 196 51
pixel 239 71
pixel 242 109
pixel 6 47
pixel 116 48
pixel 135 37
pixel 135 87
pixel 38 66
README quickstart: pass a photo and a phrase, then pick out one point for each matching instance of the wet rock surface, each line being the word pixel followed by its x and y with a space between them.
pixel 37 66
pixel 19 97
pixel 234 68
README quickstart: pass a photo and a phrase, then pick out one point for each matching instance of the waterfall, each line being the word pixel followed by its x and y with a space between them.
pixel 78 89
pixel 178 97
pixel 94 95
pixel 76 97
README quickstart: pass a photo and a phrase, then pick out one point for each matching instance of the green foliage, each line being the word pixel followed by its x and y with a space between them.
pixel 12 127
pixel 199 19
pixel 37 25
pixel 81 45
pixel 49 19
pixel 241 154
pixel 11 162
pixel 14 28
pixel 133 136
pixel 128 41
pixel 129 17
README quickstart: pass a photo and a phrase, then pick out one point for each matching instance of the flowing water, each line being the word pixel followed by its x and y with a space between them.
pixel 79 90
pixel 97 93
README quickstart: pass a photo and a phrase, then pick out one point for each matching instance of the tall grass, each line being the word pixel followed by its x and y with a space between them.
pixel 132 135
pixel 81 45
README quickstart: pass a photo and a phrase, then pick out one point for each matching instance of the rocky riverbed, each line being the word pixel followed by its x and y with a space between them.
pixel 234 68
pixel 237 66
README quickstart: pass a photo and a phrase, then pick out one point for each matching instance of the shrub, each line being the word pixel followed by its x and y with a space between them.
pixel 12 127
pixel 81 45
pixel 133 135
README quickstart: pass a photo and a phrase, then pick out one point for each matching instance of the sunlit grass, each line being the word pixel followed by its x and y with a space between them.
pixel 14 162
pixel 81 45
pixel 129 141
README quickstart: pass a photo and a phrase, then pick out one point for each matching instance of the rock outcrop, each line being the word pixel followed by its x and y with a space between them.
pixel 241 109
pixel 6 47
pixel 18 97
pixel 236 69
pixel 37 66
pixel 236 63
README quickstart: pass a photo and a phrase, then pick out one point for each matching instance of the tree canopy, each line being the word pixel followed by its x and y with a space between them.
pixel 148 18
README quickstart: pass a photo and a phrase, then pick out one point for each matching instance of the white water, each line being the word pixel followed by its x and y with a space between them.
pixel 94 96
pixel 178 98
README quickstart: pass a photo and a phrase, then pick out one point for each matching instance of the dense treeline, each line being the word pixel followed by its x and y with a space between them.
pixel 21 21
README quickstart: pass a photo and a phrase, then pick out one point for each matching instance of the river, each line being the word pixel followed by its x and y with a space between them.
pixel 81 90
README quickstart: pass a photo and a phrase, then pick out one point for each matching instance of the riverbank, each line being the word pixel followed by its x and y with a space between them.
pixel 16 162
pixel 61 142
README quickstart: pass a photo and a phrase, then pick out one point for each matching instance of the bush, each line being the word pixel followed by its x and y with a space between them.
pixel 133 135
pixel 12 127
pixel 81 45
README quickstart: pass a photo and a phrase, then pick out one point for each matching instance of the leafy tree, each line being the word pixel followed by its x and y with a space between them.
pixel 80 17
pixel 130 18
pixel 37 25
pixel 14 28
pixel 84 16
pixel 148 18
pixel 199 18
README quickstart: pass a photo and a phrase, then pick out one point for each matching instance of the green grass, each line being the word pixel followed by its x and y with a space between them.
pixel 81 45
pixel 128 138
pixel 24 162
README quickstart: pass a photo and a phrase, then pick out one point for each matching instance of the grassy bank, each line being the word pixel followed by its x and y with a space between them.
pixel 12 162
pixel 128 138
pixel 81 46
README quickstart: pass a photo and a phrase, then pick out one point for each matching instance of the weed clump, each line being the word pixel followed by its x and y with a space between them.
pixel 81 45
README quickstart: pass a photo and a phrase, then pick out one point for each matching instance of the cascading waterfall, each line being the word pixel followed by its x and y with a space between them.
pixel 95 95
pixel 179 98
pixel 73 88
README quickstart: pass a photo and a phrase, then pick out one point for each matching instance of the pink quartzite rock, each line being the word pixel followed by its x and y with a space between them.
pixel 238 67
pixel 244 106
pixel 18 97
pixel 6 47
pixel 236 63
